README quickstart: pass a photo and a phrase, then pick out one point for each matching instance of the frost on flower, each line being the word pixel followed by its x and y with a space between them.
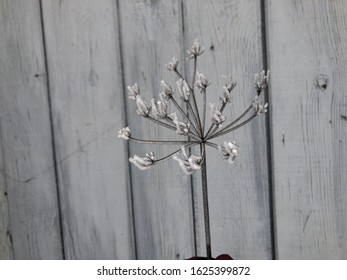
pixel 133 91
pixel 195 50
pixel 143 163
pixel 217 117
pixel 227 88
pixel 181 127
pixel 167 90
pixel 188 164
pixel 258 107
pixel 183 89
pixel 202 82
pixel 157 111
pixel 124 133
pixel 159 108
pixel 261 80
pixel 143 108
pixel 172 66
pixel 230 151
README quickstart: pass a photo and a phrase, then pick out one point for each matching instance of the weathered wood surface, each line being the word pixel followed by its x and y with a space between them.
pixel 151 34
pixel 5 239
pixel 87 106
pixel 112 211
pixel 238 193
pixel 29 208
pixel 308 59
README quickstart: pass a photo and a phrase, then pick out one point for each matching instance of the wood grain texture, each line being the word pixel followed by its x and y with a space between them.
pixel 151 36
pixel 308 59
pixel 6 250
pixel 27 168
pixel 86 89
pixel 230 31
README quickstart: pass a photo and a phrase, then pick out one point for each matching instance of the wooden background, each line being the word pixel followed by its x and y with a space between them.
pixel 67 190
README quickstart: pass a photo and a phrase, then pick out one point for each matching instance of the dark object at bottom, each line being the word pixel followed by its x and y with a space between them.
pixel 220 257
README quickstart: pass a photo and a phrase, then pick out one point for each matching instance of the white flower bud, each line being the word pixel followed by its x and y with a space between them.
pixel 230 151
pixel 159 108
pixel 227 88
pixel 143 163
pixel 188 164
pixel 124 133
pixel 258 107
pixel 195 50
pixel 167 90
pixel 181 127
pixel 216 116
pixel 143 108
pixel 133 91
pixel 172 66
pixel 202 82
pixel 183 89
pixel 261 80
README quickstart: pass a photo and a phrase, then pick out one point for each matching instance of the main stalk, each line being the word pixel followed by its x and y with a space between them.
pixel 205 205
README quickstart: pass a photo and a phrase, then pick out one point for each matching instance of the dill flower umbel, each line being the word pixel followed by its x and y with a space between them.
pixel 189 122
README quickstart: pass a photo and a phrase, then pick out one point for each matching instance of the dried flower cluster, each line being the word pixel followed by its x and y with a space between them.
pixel 192 125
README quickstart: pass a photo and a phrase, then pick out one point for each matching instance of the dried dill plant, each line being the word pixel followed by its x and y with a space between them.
pixel 191 123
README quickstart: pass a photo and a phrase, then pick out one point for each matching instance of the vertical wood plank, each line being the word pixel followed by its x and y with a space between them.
pixel 6 250
pixel 151 36
pixel 308 59
pixel 87 104
pixel 230 31
pixel 27 167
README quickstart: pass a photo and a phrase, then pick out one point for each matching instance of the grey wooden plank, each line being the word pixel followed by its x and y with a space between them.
pixel 151 36
pixel 6 250
pixel 230 31
pixel 307 47
pixel 27 167
pixel 87 105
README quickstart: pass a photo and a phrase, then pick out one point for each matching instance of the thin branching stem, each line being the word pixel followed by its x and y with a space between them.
pixel 171 154
pixel 208 135
pixel 162 123
pixel 208 131
pixel 195 116
pixel 184 114
pixel 237 119
pixel 193 96
pixel 204 111
pixel 161 142
pixel 178 74
pixel 172 127
pixel 220 133
pixel 213 125
pixel 191 110
pixel 213 145
pixel 197 135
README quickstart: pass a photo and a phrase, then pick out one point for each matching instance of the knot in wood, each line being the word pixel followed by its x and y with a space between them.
pixel 322 81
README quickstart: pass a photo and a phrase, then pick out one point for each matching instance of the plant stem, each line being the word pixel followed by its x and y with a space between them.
pixel 190 109
pixel 161 142
pixel 220 133
pixel 204 112
pixel 193 97
pixel 212 125
pixel 195 114
pixel 205 204
pixel 171 127
pixel 171 154
pixel 184 114
pixel 237 119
